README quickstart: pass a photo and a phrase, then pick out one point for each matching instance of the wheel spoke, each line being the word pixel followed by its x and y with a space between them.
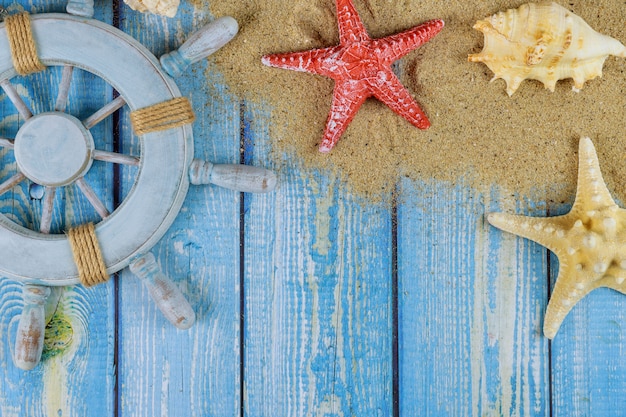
pixel 105 111
pixel 116 158
pixel 11 182
pixel 7 143
pixel 46 212
pixel 92 197
pixel 14 96
pixel 64 88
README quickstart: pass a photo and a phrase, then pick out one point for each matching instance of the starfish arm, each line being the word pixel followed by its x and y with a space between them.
pixel 617 282
pixel 348 96
pixel 548 232
pixel 591 193
pixel 396 46
pixel 306 61
pixel 351 28
pixel 388 89
pixel 570 287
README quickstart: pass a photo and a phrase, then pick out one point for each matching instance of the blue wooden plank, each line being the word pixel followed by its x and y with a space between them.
pixel 589 371
pixel 76 376
pixel 471 303
pixel 318 307
pixel 164 371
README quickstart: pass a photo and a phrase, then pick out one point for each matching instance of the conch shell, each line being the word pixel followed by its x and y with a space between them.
pixel 163 7
pixel 544 42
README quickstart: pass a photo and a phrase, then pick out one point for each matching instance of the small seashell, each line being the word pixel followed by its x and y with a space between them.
pixel 166 8
pixel 544 42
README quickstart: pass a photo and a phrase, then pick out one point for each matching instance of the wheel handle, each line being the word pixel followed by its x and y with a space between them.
pixel 164 292
pixel 39 304
pixel 200 45
pixel 244 178
pixel 82 8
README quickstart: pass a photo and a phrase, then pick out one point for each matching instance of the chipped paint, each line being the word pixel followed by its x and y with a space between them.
pixel 322 243
pixel 67 324
pixel 58 337
pixel 179 247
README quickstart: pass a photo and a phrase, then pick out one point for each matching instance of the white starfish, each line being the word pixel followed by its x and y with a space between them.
pixel 590 240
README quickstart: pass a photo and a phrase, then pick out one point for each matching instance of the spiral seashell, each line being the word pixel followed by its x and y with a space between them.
pixel 166 8
pixel 544 42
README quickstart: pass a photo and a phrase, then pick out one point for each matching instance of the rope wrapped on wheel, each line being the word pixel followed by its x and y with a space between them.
pixel 22 45
pixel 162 116
pixel 87 255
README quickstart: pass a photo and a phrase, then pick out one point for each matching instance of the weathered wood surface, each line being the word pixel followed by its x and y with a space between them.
pixel 194 372
pixel 471 302
pixel 308 301
pixel 318 296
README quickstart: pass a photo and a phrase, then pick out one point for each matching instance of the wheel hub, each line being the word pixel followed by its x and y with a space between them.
pixel 53 149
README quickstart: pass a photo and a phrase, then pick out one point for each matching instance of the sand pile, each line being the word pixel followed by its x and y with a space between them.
pixel 478 133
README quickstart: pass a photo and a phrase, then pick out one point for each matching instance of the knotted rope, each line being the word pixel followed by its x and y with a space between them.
pixel 22 44
pixel 167 115
pixel 87 255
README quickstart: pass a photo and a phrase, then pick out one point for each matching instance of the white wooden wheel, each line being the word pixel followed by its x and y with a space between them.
pixel 55 149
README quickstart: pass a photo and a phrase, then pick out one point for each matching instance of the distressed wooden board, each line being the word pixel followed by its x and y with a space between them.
pixel 318 295
pixel 164 371
pixel 76 376
pixel 471 304
pixel 588 366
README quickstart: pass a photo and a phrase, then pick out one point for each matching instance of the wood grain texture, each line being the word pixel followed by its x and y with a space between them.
pixel 77 361
pixel 471 303
pixel 589 371
pixel 318 307
pixel 164 371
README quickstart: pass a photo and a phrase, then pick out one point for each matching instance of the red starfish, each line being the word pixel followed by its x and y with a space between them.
pixel 361 68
